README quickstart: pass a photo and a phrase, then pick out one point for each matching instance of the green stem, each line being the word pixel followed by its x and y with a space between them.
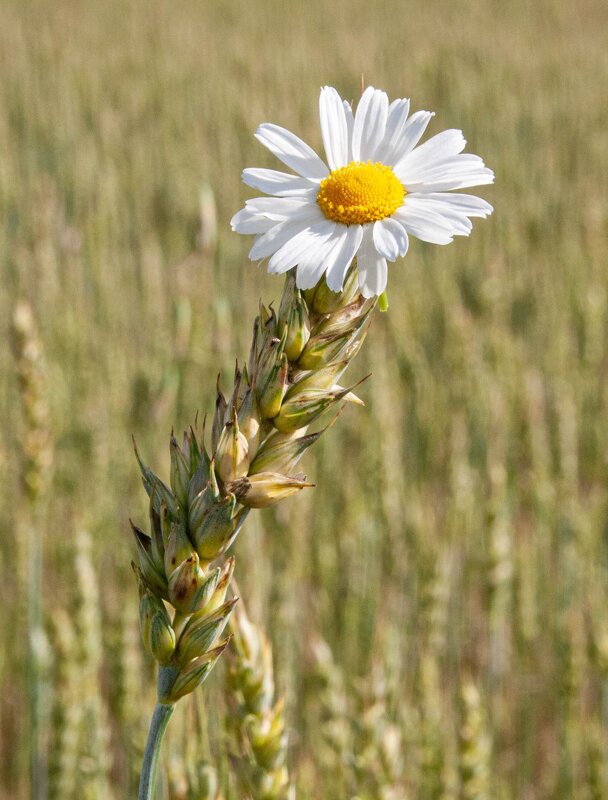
pixel 158 726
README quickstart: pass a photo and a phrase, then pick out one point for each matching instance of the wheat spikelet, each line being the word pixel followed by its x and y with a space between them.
pixel 364 747
pixel 93 757
pixel 431 741
pixel 257 715
pixel 79 751
pixel 66 717
pixel 35 440
pixel 435 760
pixel 379 749
pixel 334 732
pixel 127 670
pixel 475 746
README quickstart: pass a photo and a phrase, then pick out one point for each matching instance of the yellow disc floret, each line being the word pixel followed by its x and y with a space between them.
pixel 360 192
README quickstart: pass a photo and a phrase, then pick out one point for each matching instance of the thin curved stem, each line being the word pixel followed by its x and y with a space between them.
pixel 158 726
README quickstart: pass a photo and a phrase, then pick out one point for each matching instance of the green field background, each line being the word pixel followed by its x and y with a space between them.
pixel 454 555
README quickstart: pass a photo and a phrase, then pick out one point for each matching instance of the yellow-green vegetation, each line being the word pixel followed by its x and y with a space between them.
pixel 256 716
pixel 456 536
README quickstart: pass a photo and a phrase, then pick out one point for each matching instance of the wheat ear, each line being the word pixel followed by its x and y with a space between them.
pixel 36 464
pixel 258 718
pixel 258 435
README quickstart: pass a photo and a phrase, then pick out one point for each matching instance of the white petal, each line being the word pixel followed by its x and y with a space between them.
pixel 350 125
pixel 291 150
pixel 437 148
pixel 453 220
pixel 413 130
pixel 338 240
pixel 478 178
pixel 453 172
pixel 390 238
pixel 370 124
pixel 276 237
pixel 280 206
pixel 468 204
pixel 333 127
pixel 314 263
pixel 389 150
pixel 308 274
pixel 271 181
pixel 453 211
pixel 343 257
pixel 371 266
pixel 246 222
pixel 295 249
pixel 425 225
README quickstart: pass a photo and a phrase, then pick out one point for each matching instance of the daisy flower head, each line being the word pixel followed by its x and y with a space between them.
pixel 377 188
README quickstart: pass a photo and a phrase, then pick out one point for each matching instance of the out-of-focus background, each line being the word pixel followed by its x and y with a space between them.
pixel 438 605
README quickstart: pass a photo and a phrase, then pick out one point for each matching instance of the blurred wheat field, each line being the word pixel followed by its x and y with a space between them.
pixel 438 604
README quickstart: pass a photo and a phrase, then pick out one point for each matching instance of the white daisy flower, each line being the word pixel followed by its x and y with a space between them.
pixel 377 188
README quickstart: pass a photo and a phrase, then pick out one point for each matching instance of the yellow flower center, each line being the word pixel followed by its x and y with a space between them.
pixel 359 193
